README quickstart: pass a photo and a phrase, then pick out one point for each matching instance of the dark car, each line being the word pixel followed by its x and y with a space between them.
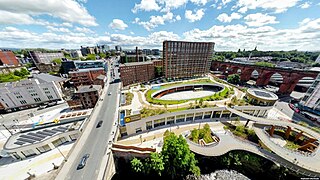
pixel 99 124
pixel 309 116
pixel 83 161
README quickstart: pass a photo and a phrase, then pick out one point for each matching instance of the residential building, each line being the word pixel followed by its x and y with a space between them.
pixel 76 54
pixel 157 62
pixel 136 72
pixel 27 93
pixel 100 80
pixel 7 58
pixel 45 58
pixel 89 95
pixel 311 100
pixel 186 59
pixel 85 76
pixel 46 68
pixel 86 50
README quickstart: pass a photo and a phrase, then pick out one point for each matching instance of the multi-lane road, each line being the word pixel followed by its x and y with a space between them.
pixel 95 141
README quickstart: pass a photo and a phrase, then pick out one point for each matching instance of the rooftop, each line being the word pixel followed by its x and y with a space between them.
pixel 90 88
pixel 263 94
pixel 43 77
pixel 101 76
pixel 136 63
pixel 86 70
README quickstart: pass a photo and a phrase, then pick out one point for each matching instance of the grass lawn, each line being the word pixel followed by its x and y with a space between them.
pixel 291 145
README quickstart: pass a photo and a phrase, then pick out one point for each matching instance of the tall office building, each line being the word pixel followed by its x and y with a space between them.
pixel 186 59
pixel 312 96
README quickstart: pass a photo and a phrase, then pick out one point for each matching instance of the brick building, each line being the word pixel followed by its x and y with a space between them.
pixel 186 59
pixel 157 62
pixel 100 80
pixel 89 95
pixel 8 58
pixel 136 72
pixel 85 76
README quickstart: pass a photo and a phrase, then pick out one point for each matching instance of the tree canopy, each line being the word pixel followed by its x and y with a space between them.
pixel 233 79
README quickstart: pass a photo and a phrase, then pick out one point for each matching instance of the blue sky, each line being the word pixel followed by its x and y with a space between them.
pixel 231 24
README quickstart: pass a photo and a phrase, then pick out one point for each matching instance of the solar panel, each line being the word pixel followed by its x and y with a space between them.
pixel 37 135
pixel 19 143
pixel 43 133
pixel 59 130
pixel 31 137
pixel 26 140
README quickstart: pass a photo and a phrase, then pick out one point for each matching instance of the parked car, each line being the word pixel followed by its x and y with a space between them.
pixel 99 124
pixel 294 108
pixel 83 161
pixel 309 116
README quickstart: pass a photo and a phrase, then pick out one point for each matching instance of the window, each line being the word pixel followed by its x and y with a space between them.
pixel 138 130
pixel 37 99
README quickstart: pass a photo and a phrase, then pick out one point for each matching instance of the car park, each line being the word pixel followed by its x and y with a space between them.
pixel 83 161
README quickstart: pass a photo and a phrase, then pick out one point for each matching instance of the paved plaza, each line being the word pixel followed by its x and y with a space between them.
pixel 187 95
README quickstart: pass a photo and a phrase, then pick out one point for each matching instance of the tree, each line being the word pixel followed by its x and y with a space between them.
pixel 201 102
pixel 136 165
pixel 234 79
pixel 91 57
pixel 154 164
pixel 57 61
pixel 24 72
pixel 158 71
pixel 178 160
pixel 102 55
pixel 17 73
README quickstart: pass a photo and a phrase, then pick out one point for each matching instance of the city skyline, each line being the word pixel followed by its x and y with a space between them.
pixel 231 24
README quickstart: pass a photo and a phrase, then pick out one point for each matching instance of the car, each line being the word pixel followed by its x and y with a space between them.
pixel 83 161
pixel 109 93
pixel 309 116
pixel 99 124
pixel 294 108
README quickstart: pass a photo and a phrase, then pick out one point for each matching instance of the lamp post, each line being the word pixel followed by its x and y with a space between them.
pixel 65 159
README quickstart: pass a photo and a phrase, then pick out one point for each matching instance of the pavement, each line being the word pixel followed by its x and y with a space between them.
pixel 94 141
pixel 39 165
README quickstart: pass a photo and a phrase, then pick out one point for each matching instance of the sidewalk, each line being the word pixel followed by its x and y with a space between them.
pixel 38 165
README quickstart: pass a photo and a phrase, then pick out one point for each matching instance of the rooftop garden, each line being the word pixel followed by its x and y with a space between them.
pixel 202 133
pixel 225 93
pixel 240 130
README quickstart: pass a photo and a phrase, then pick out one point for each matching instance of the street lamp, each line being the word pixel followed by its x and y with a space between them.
pixel 65 159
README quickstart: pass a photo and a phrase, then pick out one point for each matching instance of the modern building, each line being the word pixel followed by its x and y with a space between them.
pixel 45 58
pixel 76 54
pixel 261 97
pixel 85 76
pixel 74 65
pixel 155 52
pixel 27 93
pixel 311 100
pixel 86 50
pixel 89 95
pixel 186 59
pixel 136 72
pixel 7 58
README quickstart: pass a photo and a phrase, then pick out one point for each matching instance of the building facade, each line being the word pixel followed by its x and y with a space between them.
pixel 85 76
pixel 74 65
pixel 311 100
pixel 7 58
pixel 45 58
pixel 137 72
pixel 89 95
pixel 76 54
pixel 186 59
pixel 27 93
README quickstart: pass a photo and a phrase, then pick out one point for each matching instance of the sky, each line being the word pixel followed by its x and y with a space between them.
pixel 231 24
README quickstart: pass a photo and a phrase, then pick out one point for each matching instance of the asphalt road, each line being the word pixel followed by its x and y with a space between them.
pixel 98 139
pixel 284 107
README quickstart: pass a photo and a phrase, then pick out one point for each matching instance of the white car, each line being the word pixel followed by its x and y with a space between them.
pixel 109 93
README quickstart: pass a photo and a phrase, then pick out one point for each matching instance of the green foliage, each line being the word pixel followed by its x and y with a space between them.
pixel 102 55
pixel 178 159
pixel 218 58
pixel 264 64
pixel 91 57
pixel 166 133
pixel 57 61
pixel 155 164
pixel 234 79
pixel 136 165
pixel 203 133
pixel 28 65
pixel 15 76
pixel 158 71
pixel 129 97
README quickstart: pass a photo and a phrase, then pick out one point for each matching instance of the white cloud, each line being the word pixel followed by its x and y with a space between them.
pixel 200 2
pixel 118 24
pixel 15 18
pixel 178 17
pixel 131 32
pixel 305 5
pixel 277 6
pixel 225 18
pixel 146 5
pixel 83 30
pixel 67 10
pixel 172 4
pixel 67 24
pixel 219 7
pixel 194 17
pixel 243 10
pixel 61 29
pixel 155 21
pixel 233 37
pixel 304 21
pixel 259 19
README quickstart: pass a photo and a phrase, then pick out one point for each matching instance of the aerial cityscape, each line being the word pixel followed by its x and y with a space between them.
pixel 159 89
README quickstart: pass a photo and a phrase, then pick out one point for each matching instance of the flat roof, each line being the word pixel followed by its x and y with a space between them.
pixel 89 88
pixel 136 63
pixel 262 94
pixel 86 70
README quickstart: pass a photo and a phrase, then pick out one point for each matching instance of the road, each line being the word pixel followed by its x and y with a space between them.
pixel 284 107
pixel 97 141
